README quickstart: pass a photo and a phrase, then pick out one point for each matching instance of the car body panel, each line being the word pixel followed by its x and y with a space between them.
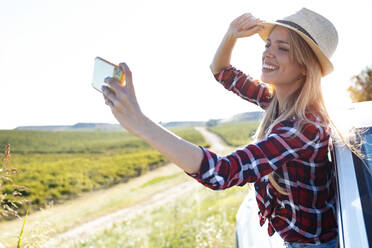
pixel 249 232
pixel 351 222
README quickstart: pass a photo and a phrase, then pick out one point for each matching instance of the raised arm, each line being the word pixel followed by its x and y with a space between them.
pixel 285 143
pixel 232 79
pixel 244 26
pixel 244 86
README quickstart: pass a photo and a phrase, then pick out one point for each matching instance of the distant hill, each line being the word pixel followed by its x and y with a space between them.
pixel 182 124
pixel 106 126
pixel 76 127
pixel 248 116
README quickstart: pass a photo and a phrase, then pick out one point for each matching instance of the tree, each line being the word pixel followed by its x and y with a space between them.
pixel 361 89
pixel 212 123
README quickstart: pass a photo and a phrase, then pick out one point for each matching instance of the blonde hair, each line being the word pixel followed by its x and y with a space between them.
pixel 307 98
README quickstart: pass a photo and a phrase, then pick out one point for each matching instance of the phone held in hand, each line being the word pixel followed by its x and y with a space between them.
pixel 104 69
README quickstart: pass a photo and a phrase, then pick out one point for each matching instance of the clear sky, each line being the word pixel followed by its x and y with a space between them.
pixel 47 51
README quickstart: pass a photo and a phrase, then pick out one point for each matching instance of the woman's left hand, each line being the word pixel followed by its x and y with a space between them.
pixel 123 102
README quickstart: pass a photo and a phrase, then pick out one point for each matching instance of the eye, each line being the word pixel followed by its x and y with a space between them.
pixel 284 49
pixel 267 45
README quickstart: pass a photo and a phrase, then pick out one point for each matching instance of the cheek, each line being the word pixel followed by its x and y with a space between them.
pixel 289 67
pixel 295 70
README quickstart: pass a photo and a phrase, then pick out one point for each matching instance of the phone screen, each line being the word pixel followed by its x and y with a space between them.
pixel 103 69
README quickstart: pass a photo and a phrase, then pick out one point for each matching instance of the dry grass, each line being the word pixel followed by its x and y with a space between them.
pixel 10 202
pixel 56 219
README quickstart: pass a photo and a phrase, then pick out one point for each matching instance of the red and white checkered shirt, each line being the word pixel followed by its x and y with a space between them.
pixel 300 159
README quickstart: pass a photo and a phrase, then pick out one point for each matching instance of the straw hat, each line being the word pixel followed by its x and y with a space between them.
pixel 315 29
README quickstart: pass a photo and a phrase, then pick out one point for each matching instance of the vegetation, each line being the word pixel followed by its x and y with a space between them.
pixel 361 89
pixel 70 142
pixel 236 134
pixel 199 218
pixel 212 123
pixel 56 166
pixel 10 199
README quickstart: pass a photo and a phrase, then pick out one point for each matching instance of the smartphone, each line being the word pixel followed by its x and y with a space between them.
pixel 103 69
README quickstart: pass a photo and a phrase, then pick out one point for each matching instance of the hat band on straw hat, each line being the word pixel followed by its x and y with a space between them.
pixel 298 27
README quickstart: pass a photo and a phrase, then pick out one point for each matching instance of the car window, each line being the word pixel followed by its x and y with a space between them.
pixel 368 146
pixel 363 171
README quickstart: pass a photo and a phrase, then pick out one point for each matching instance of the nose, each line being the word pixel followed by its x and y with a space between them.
pixel 267 53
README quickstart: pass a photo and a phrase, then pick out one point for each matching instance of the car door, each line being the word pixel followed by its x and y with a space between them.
pixel 354 183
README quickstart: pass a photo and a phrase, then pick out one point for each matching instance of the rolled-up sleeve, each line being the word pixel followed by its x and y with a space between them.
pixel 245 86
pixel 256 160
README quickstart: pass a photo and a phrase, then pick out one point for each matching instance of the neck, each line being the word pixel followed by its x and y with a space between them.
pixel 283 91
pixel 281 95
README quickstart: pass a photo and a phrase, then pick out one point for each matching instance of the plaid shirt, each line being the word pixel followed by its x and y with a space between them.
pixel 300 159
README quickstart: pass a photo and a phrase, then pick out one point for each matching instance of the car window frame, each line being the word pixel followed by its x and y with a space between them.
pixel 351 223
pixel 361 167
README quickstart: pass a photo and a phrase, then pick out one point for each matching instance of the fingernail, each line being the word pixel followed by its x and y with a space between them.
pixel 108 79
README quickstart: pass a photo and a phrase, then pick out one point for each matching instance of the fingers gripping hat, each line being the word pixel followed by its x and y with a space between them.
pixel 318 32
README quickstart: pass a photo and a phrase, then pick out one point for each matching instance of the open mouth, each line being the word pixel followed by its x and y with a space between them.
pixel 269 67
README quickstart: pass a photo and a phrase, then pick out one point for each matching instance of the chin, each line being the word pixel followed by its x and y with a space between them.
pixel 266 80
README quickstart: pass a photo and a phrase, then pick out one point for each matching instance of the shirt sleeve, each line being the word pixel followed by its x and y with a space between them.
pixel 245 86
pixel 258 159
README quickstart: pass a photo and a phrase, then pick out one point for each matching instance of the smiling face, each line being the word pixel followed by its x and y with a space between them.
pixel 278 68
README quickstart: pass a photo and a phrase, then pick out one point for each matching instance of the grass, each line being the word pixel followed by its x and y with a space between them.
pixel 10 205
pixel 236 134
pixel 59 166
pixel 79 142
pixel 200 218
pixel 158 180
pixel 44 224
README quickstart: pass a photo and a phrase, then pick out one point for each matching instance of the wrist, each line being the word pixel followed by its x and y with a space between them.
pixel 144 128
pixel 229 36
pixel 135 124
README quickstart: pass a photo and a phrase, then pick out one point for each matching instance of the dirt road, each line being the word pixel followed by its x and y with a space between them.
pixel 78 233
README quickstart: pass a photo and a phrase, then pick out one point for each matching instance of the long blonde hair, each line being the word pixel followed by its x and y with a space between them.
pixel 307 98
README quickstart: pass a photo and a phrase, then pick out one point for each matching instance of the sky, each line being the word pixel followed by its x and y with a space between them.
pixel 47 51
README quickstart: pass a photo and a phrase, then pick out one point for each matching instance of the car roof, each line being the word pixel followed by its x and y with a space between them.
pixel 356 115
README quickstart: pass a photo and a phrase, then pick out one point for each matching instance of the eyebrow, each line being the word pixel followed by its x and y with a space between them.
pixel 279 41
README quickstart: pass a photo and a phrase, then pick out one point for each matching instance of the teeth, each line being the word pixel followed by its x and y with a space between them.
pixel 270 67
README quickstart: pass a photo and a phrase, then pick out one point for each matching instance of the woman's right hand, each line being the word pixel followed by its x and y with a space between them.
pixel 245 26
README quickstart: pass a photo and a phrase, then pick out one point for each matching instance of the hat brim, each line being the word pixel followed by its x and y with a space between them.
pixel 325 63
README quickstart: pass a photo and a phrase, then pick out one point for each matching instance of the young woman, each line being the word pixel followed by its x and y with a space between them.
pixel 289 166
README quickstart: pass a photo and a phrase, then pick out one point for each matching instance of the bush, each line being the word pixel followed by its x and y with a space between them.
pixel 60 165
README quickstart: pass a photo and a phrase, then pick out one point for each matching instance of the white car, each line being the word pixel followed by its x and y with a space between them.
pixel 354 192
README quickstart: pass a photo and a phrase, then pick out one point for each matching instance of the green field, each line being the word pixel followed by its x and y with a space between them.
pixel 199 218
pixel 236 134
pixel 56 166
